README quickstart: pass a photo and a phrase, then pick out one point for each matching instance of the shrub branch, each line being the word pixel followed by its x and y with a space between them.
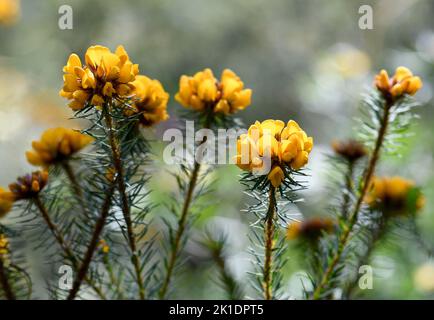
pixel 269 245
pixel 117 162
pixel 343 240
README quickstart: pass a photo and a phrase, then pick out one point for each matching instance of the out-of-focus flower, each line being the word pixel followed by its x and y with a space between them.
pixel 104 247
pixel 203 92
pixel 29 186
pixel 106 74
pixel 344 59
pixel 424 277
pixel 6 202
pixel 351 150
pixel 403 82
pixel 352 62
pixel 287 146
pixel 394 196
pixel 9 11
pixel 57 145
pixel 150 101
pixel 310 229
pixel 4 245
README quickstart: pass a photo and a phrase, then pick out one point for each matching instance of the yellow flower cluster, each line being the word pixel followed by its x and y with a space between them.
pixel 309 229
pixel 105 74
pixel 6 202
pixel 203 92
pixel 4 245
pixel 9 11
pixel 403 82
pixel 57 145
pixel 150 101
pixel 285 145
pixel 393 196
pixel 29 186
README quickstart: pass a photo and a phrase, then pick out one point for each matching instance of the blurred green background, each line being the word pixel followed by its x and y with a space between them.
pixel 306 60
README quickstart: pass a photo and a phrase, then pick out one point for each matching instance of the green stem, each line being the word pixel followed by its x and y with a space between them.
pixel 113 280
pixel 377 234
pixel 99 226
pixel 349 188
pixel 269 244
pixel 75 185
pixel 184 213
pixel 181 227
pixel 229 282
pixel 64 246
pixel 4 281
pixel 117 162
pixel 345 236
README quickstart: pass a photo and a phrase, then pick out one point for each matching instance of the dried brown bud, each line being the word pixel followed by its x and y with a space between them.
pixel 351 150
pixel 29 186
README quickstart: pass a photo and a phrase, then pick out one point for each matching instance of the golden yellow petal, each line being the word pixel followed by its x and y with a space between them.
pixel 276 176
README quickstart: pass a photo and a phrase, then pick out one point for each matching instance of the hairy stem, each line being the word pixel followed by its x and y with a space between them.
pixel 231 285
pixel 345 236
pixel 376 235
pixel 349 188
pixel 99 226
pixel 75 185
pixel 64 246
pixel 269 244
pixel 117 162
pixel 114 281
pixel 4 281
pixel 184 213
pixel 181 227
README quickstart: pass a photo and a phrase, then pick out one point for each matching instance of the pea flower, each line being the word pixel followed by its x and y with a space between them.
pixel 403 82
pixel 103 246
pixel 203 92
pixel 394 196
pixel 9 11
pixel 4 245
pixel 29 186
pixel 57 145
pixel 310 229
pixel 351 150
pixel 105 74
pixel 150 101
pixel 6 202
pixel 286 146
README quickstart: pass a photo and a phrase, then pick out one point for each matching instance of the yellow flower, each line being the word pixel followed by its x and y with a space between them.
pixel 102 244
pixel 403 82
pixel 56 145
pixel 9 11
pixel 4 245
pixel 150 101
pixel 104 75
pixel 424 277
pixel 310 229
pixel 29 186
pixel 287 146
pixel 6 202
pixel 203 91
pixel 276 176
pixel 394 196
